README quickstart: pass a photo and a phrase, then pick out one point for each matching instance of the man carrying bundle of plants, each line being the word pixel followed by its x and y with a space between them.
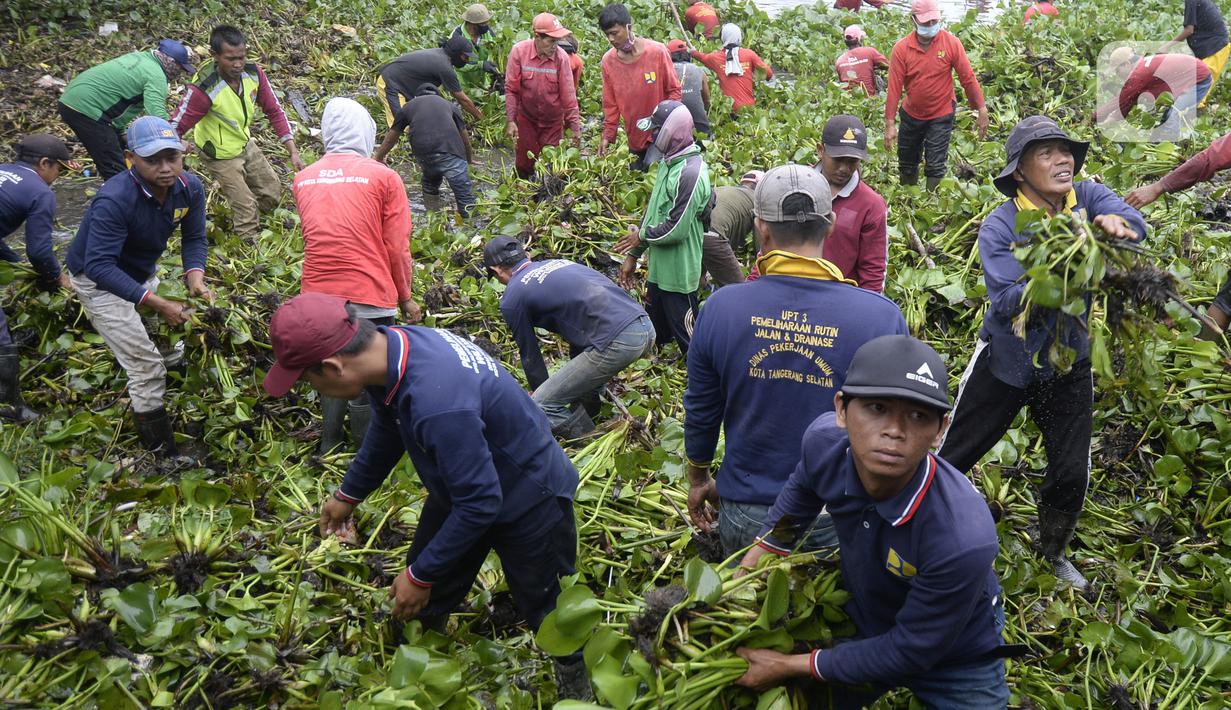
pixel 476 25
pixel 113 261
pixel 606 330
pixel 637 76
pixel 916 539
pixel 26 197
pixel 1007 372
pixel 540 97
pixel 1199 168
pixel 767 357
pixel 673 226
pixel 356 239
pixel 219 107
pixel 922 64
pixel 495 478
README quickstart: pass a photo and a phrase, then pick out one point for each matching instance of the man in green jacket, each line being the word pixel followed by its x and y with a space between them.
pixel 673 225
pixel 480 72
pixel 101 101
pixel 219 108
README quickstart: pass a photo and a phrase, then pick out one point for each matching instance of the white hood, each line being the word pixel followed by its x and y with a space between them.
pixel 347 127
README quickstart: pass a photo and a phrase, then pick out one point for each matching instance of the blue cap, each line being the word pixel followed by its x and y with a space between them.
pixel 150 134
pixel 178 52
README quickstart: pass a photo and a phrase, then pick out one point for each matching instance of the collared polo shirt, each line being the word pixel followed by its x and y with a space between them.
pixel 927 77
pixel 24 197
pixel 125 232
pixel 858 244
pixel 918 565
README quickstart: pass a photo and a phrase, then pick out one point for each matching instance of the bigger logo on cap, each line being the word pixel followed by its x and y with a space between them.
pixel 923 375
pixel 849 136
pixel 168 133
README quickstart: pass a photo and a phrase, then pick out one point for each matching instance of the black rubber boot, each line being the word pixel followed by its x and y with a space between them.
pixel 154 431
pixel 933 183
pixel 593 403
pixel 12 406
pixel 572 679
pixel 1056 529
pixel 360 417
pixel 333 411
pixel 576 426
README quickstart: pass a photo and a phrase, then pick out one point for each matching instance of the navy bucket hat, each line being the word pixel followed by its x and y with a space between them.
pixel 1033 129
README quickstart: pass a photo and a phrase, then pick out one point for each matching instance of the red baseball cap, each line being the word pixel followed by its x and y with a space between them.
pixel 304 331
pixel 677 45
pixel 548 24
pixel 925 11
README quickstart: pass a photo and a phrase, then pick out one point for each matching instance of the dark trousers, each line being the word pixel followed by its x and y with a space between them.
pixel 1223 299
pixel 923 140
pixel 535 551
pixel 100 139
pixel 1061 407
pixel 719 261
pixel 672 315
pixel 5 337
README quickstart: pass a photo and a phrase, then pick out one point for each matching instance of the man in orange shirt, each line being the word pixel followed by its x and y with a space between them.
pixel 703 14
pixel 858 64
pixel 356 235
pixel 734 67
pixel 1040 7
pixel 540 97
pixel 922 64
pixel 637 76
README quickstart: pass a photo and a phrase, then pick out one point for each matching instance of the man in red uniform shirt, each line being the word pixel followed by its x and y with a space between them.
pixel 1185 77
pixel 356 235
pixel 1040 7
pixel 858 243
pixel 637 76
pixel 1199 168
pixel 857 5
pixel 734 67
pixel 858 64
pixel 539 93
pixel 922 64
pixel 703 14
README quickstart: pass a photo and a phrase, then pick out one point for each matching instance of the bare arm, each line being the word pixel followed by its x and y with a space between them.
pixel 391 139
pixel 467 104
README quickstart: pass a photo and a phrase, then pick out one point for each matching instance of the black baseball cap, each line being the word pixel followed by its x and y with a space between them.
pixel 458 45
pixel 1033 129
pixel 37 146
pixel 503 251
pixel 845 137
pixel 898 367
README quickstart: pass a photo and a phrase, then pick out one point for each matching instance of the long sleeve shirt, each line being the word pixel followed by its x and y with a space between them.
pixel 671 226
pixel 24 197
pixel 477 441
pixel 578 303
pixel 1012 358
pixel 117 91
pixel 737 86
pixel 198 101
pixel 765 360
pixel 703 14
pixel 917 565
pixel 541 88
pixel 1200 167
pixel 927 77
pixel 125 231
pixel 1153 76
pixel 356 230
pixel 632 91
pixel 858 244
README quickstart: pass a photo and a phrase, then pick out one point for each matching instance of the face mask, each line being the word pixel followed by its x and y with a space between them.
pixel 483 29
pixel 632 41
pixel 928 32
pixel 459 60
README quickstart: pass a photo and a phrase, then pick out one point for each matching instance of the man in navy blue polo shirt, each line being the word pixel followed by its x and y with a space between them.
pixel 606 330
pixel 26 196
pixel 767 357
pixel 495 477
pixel 114 262
pixel 916 539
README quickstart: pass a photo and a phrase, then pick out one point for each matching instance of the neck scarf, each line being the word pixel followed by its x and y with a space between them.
pixel 785 263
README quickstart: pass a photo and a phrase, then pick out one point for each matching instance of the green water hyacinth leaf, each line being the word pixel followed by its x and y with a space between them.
pixel 8 471
pixel 777 599
pixel 137 605
pixel 568 627
pixel 703 583
pixel 204 494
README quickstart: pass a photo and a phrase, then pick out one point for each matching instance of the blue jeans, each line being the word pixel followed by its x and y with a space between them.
pixel 447 166
pixel 590 371
pixel 1178 119
pixel 977 685
pixel 739 523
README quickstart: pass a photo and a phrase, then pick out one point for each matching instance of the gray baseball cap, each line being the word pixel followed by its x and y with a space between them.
pixel 898 367
pixel 786 180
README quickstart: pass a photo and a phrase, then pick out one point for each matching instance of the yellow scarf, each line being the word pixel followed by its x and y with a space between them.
pixel 1023 203
pixel 784 263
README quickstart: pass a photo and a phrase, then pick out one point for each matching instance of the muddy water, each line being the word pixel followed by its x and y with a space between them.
pixel 953 10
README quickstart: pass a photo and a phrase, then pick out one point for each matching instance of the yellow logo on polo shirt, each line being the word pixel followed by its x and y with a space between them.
pixel 179 214
pixel 651 77
pixel 940 54
pixel 899 566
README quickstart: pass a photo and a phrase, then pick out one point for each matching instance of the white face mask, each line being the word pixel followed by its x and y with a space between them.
pixel 928 31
